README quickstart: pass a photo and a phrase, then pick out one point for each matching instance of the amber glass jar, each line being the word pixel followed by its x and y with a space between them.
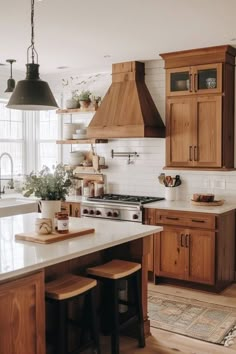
pixel 62 223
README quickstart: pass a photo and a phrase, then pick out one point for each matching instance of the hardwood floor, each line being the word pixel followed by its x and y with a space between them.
pixel 163 342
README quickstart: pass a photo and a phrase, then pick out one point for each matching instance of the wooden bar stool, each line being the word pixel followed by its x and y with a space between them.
pixel 111 274
pixel 67 288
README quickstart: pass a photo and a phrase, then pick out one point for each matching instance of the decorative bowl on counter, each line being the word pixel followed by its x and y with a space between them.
pixel 203 197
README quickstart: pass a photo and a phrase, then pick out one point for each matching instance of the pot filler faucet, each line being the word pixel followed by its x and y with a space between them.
pixel 2 191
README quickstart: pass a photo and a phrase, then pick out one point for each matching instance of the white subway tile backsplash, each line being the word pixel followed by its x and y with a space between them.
pixel 141 178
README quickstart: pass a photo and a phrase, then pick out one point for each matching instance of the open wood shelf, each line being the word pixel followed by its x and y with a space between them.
pixel 78 169
pixel 76 110
pixel 88 169
pixel 83 141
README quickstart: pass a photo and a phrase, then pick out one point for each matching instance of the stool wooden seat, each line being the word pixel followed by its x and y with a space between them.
pixel 61 291
pixel 115 269
pixel 68 286
pixel 111 274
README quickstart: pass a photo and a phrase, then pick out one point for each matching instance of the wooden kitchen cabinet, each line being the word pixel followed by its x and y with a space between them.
pixel 194 247
pixel 194 132
pixel 200 108
pixel 186 254
pixel 22 312
pixel 71 208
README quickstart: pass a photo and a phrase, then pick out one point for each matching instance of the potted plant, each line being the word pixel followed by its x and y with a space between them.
pixel 84 98
pixel 51 187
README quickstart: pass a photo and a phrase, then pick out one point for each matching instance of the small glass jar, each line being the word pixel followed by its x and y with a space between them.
pixel 62 223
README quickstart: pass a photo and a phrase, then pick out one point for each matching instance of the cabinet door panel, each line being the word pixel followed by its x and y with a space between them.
pixel 170 257
pixel 178 81
pixel 180 129
pixel 75 210
pixel 207 78
pixel 207 146
pixel 22 328
pixel 201 256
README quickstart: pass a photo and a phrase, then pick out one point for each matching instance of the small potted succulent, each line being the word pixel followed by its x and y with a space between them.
pixel 84 98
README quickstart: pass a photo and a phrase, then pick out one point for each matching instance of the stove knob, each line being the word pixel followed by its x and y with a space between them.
pixel 115 214
pixel 135 216
pixel 109 213
pixel 91 212
pixel 85 211
pixel 98 212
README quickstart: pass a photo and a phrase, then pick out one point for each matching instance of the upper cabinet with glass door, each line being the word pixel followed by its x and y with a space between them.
pixel 194 79
pixel 197 71
pixel 200 107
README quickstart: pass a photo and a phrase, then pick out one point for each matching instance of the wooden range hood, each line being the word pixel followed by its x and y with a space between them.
pixel 127 109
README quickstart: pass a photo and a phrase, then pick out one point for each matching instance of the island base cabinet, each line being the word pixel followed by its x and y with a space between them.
pixel 186 254
pixel 22 318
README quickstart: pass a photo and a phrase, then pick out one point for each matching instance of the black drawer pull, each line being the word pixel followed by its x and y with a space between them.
pixel 181 240
pixel 171 218
pixel 201 221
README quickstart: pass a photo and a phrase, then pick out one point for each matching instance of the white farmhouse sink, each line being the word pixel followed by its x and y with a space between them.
pixel 14 206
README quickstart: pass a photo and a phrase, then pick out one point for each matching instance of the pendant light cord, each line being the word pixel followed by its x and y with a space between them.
pixel 11 70
pixel 31 47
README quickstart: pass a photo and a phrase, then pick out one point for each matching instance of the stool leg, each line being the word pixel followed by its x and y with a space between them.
pixel 138 292
pixel 93 321
pixel 84 319
pixel 62 334
pixel 115 317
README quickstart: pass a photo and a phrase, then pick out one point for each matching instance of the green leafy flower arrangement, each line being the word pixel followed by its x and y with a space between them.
pixel 47 184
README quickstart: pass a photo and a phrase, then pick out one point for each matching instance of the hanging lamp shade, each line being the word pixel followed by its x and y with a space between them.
pixel 32 94
pixel 10 82
pixel 10 85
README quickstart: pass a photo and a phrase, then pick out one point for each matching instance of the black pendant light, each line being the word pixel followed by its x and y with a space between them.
pixel 32 94
pixel 10 82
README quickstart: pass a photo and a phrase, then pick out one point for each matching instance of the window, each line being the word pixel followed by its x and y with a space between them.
pixel 48 132
pixel 11 140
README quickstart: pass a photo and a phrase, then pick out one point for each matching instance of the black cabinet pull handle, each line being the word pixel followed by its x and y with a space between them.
pixel 171 218
pixel 181 240
pixel 195 153
pixel 201 221
pixel 190 153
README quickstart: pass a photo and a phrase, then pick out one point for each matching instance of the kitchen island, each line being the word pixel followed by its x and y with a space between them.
pixel 25 266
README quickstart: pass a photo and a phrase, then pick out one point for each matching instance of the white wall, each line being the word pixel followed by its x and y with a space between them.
pixel 141 178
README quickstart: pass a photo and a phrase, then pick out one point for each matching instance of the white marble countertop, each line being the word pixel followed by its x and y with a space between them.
pixel 21 257
pixel 181 205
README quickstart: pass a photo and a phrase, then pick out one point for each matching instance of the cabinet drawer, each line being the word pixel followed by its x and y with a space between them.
pixel 199 220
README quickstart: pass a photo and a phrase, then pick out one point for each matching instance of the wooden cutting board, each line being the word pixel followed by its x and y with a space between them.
pixel 53 237
pixel 214 203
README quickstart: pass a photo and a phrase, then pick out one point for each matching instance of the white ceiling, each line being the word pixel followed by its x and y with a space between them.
pixel 78 34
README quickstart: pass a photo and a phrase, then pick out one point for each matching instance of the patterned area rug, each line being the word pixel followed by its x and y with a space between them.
pixel 192 318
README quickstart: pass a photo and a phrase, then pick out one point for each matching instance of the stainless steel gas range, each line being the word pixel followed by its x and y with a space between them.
pixel 116 207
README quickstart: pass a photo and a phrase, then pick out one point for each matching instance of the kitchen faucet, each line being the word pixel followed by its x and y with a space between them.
pixel 2 191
